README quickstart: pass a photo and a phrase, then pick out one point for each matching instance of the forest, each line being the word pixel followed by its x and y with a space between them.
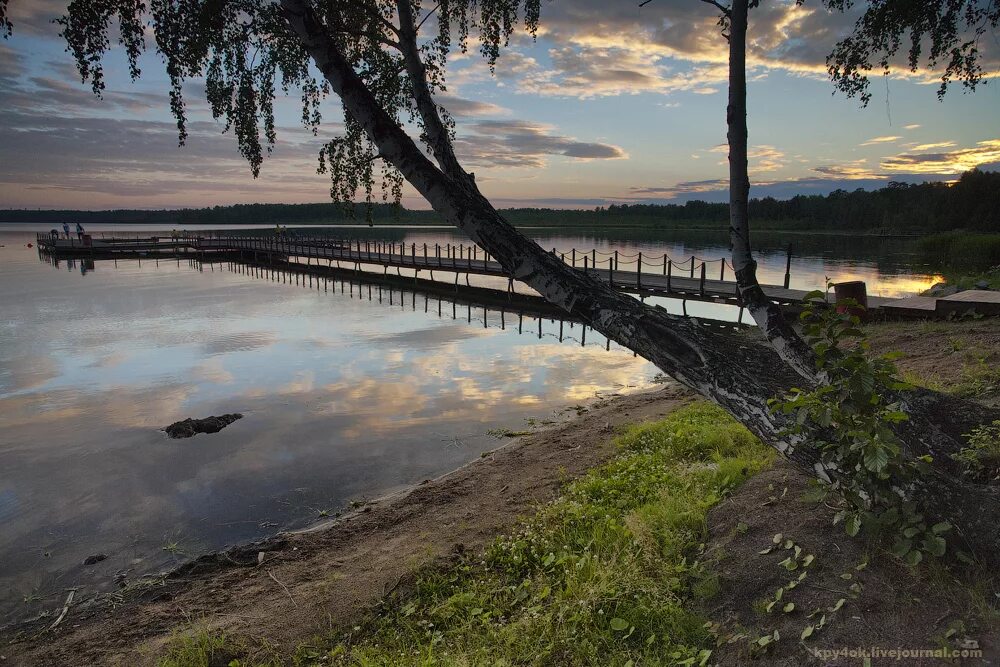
pixel 972 204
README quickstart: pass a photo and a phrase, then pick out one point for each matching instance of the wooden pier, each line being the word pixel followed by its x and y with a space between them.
pixel 688 279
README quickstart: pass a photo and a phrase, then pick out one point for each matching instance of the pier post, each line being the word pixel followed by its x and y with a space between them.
pixel 692 266
pixel 701 286
pixel 670 271
pixel 638 271
pixel 788 266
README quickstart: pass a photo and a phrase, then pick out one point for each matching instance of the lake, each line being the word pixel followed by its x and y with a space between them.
pixel 346 396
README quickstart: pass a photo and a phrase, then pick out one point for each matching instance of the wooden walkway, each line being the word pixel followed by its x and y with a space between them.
pixel 645 275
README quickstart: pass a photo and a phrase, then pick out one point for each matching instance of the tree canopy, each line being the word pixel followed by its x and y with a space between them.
pixel 941 35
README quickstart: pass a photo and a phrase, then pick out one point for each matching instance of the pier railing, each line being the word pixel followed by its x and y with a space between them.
pixel 616 265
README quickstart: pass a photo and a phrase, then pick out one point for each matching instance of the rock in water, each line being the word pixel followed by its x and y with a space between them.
pixel 190 427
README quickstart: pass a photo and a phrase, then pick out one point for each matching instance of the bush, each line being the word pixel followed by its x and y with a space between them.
pixel 960 250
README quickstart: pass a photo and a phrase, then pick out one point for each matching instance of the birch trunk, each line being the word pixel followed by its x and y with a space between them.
pixel 768 316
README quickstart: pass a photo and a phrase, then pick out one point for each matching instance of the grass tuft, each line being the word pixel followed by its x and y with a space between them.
pixel 599 576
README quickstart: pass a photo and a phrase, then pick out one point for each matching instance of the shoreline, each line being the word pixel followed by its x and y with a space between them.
pixel 310 579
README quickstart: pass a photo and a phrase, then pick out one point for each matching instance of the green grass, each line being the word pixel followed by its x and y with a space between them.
pixel 204 649
pixel 962 251
pixel 600 576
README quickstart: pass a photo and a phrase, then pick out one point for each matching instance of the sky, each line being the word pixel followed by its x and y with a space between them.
pixel 612 103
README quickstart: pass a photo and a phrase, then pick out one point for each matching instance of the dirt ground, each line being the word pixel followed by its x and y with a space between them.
pixel 893 608
pixel 308 582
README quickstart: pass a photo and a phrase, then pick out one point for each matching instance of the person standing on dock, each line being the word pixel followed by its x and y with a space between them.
pixel 66 229
pixel 79 231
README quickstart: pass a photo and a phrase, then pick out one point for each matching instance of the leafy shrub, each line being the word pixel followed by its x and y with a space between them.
pixel 850 419
pixel 981 458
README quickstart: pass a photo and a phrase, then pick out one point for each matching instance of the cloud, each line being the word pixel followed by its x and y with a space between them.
pixel 930 147
pixel 36 17
pixel 464 108
pixel 761 158
pixel 595 48
pixel 519 143
pixel 950 162
pixel 853 170
pixel 881 140
pixel 909 167
pixel 913 126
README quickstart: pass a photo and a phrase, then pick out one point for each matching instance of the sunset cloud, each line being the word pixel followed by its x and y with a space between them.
pixel 881 140
pixel 518 143
pixel 950 162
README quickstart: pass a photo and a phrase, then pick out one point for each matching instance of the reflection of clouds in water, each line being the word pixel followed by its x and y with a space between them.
pixel 20 372
pixel 240 341
pixel 342 398
pixel 110 360
pixel 431 337
pixel 212 371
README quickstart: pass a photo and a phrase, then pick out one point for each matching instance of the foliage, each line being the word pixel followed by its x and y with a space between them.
pixel 599 576
pixel 248 56
pixel 945 34
pixel 850 419
pixel 981 456
pixel 967 252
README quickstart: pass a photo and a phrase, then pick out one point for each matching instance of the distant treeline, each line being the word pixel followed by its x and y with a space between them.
pixel 237 214
pixel 972 204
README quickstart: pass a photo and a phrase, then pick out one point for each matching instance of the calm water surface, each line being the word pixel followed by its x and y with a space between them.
pixel 344 398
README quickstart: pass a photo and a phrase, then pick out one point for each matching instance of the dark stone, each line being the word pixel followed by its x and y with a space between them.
pixel 982 284
pixel 96 558
pixel 190 427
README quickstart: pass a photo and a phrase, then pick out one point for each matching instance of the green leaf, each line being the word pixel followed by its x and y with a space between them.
pixel 910 532
pixel 942 527
pixel 840 603
pixel 807 632
pixel 777 538
pixel 913 558
pixel 853 525
pixel 935 545
pixel 901 548
pixel 788 608
pixel 876 458
pixel 619 624
pixel 807 561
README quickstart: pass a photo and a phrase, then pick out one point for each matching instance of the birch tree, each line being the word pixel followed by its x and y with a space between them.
pixel 386 67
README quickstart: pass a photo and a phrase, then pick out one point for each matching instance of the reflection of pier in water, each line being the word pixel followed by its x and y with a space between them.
pixel 495 308
pixel 490 307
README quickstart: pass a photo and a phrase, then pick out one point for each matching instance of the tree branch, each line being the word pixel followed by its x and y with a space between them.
pixel 434 128
pixel 722 8
pixel 429 14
